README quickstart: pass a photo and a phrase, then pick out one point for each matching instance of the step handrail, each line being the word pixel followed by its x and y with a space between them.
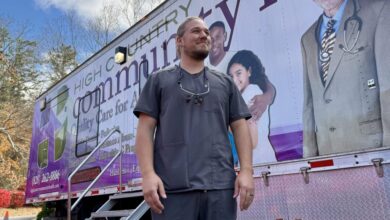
pixel 119 154
pixel 139 211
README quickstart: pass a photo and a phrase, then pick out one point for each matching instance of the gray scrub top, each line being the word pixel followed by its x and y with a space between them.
pixel 191 147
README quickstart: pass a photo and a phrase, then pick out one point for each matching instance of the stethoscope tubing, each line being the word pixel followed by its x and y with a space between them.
pixel 345 46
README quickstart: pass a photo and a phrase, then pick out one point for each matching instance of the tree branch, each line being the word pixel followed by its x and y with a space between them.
pixel 18 124
pixel 13 145
pixel 5 132
pixel 9 117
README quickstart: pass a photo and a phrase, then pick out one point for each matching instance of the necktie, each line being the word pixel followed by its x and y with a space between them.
pixel 327 45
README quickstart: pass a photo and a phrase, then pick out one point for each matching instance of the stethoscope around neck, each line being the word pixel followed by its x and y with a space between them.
pixel 196 97
pixel 345 47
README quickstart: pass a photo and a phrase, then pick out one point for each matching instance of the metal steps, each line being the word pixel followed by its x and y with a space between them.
pixel 126 195
pixel 105 211
pixel 138 212
pixel 115 213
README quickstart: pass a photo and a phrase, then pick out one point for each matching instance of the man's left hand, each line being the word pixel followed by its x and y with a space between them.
pixel 244 186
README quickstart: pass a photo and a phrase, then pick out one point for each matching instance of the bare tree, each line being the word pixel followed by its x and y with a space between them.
pixel 60 62
pixel 66 29
pixel 102 29
pixel 134 10
pixel 86 36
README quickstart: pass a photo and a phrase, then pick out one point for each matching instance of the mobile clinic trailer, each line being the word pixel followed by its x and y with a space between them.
pixel 84 129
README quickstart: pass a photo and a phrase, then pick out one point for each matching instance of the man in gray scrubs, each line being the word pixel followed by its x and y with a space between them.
pixel 182 136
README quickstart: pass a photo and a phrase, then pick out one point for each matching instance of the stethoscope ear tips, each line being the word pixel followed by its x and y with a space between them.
pixel 198 100
pixel 188 98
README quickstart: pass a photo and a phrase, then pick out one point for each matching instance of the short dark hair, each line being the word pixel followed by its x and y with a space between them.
pixel 218 24
pixel 249 60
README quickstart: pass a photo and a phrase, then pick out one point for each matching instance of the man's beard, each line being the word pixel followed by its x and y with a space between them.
pixel 200 54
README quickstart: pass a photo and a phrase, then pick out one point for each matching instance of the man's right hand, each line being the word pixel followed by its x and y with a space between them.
pixel 153 188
